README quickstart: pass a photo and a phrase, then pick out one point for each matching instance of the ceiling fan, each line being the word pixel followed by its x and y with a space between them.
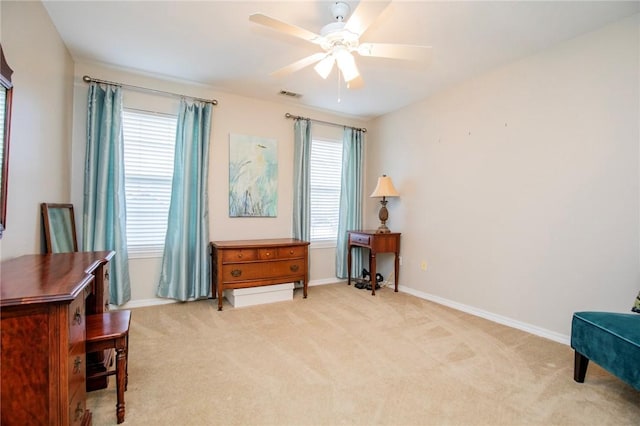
pixel 340 39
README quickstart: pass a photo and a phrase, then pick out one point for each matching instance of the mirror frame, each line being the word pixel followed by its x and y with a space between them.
pixel 7 85
pixel 46 217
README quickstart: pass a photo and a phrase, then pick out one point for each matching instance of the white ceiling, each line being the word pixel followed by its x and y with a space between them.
pixel 213 42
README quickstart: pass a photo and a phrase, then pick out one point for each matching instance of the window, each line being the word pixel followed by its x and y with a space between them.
pixel 325 177
pixel 149 143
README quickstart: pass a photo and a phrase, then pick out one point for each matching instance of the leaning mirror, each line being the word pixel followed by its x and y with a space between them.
pixel 59 228
pixel 6 92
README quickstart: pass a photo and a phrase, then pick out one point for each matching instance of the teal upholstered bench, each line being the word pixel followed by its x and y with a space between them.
pixel 611 340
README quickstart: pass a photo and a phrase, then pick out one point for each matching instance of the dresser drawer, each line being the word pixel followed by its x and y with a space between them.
pixel 105 286
pixel 77 368
pixel 76 320
pixel 239 255
pixel 77 408
pixel 268 253
pixel 359 239
pixel 262 270
pixel 291 252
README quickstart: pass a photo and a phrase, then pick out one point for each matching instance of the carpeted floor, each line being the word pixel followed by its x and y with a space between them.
pixel 343 357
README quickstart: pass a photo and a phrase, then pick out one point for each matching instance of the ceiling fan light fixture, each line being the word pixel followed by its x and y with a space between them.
pixel 347 64
pixel 324 67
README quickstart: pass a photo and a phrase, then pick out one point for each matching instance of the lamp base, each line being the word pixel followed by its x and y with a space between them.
pixel 382 229
pixel 383 215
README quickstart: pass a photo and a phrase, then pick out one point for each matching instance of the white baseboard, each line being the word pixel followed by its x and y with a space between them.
pixel 538 331
pixel 326 281
pixel 143 303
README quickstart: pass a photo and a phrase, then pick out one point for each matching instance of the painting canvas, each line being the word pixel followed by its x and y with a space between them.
pixel 253 176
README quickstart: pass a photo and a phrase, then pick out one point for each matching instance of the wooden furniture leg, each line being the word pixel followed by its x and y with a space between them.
pixel 397 270
pixel 372 269
pixel 349 264
pixel 121 366
pixel 110 330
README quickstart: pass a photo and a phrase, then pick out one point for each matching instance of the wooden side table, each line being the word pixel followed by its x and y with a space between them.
pixel 376 243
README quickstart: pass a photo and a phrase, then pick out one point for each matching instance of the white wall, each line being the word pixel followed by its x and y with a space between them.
pixel 233 114
pixel 41 122
pixel 520 188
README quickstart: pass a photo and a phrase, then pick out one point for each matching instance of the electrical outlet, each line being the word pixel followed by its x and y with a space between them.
pixel 423 265
pixel 400 260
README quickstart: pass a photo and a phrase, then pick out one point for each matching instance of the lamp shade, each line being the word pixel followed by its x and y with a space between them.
pixel 384 188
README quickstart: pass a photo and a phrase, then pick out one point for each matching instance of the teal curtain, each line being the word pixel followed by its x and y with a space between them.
pixel 104 218
pixel 350 217
pixel 301 184
pixel 185 271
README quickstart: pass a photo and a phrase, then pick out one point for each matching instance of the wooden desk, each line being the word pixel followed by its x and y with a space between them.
pixel 253 263
pixel 376 243
pixel 43 305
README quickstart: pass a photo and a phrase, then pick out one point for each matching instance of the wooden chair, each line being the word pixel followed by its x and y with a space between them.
pixel 110 330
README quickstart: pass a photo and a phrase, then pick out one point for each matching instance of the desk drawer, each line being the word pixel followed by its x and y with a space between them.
pixel 359 239
pixel 77 408
pixel 76 320
pixel 262 270
pixel 77 368
pixel 105 288
pixel 239 255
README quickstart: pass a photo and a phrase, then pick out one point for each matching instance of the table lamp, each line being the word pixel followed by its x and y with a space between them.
pixel 384 189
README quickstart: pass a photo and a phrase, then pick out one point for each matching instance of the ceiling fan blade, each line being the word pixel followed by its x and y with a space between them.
pixel 298 65
pixel 365 14
pixel 283 27
pixel 395 51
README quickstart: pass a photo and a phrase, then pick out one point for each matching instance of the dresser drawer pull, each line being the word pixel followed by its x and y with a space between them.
pixel 294 268
pixel 236 273
pixel 76 365
pixel 77 317
pixel 291 252
pixel 239 255
pixel 79 411
pixel 106 276
pixel 268 253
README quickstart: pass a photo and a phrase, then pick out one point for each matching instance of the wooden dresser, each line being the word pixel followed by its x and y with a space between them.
pixel 253 263
pixel 43 303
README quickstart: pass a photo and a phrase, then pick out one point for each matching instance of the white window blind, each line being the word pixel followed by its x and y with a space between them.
pixel 149 143
pixel 325 176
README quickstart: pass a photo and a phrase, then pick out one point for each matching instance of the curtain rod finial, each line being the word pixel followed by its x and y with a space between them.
pixel 86 79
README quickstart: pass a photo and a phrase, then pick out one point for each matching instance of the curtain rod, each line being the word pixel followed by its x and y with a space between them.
pixel 296 117
pixel 88 79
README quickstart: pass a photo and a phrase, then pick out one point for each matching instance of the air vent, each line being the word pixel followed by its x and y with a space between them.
pixel 290 94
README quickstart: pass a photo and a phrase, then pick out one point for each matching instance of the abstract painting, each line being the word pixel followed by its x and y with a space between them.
pixel 253 176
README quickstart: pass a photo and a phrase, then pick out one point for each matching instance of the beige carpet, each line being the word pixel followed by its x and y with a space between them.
pixel 343 357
